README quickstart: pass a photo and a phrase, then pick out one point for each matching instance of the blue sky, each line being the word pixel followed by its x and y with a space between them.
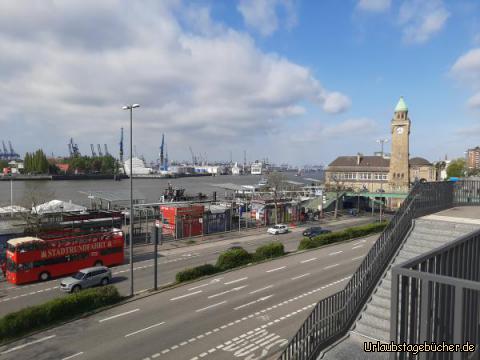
pixel 291 80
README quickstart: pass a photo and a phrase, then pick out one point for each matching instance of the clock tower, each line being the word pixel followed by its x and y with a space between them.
pixel 399 177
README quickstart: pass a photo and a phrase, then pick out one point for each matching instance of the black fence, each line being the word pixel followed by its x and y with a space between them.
pixel 435 299
pixel 333 316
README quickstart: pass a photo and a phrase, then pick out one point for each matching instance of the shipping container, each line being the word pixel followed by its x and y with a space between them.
pixel 182 220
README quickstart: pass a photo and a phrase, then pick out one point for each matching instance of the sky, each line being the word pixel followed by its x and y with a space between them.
pixel 296 81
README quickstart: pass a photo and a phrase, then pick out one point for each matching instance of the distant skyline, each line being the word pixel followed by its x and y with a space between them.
pixel 295 81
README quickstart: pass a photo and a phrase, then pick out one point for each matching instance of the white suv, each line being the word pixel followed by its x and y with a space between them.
pixel 278 229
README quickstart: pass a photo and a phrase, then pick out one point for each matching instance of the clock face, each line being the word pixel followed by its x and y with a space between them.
pixel 399 130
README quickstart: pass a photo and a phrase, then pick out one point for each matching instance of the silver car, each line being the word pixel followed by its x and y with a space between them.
pixel 85 278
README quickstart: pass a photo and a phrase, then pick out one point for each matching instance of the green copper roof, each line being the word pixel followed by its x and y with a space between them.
pixel 401 106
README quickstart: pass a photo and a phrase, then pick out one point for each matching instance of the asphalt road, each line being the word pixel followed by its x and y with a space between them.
pixel 170 262
pixel 244 314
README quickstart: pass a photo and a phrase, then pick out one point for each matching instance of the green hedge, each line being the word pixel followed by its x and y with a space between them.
pixel 196 272
pixel 346 234
pixel 269 251
pixel 233 258
pixel 37 317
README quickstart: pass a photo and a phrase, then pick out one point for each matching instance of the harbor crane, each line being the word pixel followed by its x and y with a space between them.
pixel 106 149
pixel 93 150
pixel 73 149
pixel 99 150
pixel 13 154
pixel 194 160
pixel 5 151
pixel 162 159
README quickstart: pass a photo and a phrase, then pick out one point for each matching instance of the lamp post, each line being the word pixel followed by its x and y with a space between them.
pixel 131 107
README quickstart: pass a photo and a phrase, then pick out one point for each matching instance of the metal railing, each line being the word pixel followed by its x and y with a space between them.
pixel 334 315
pixel 436 299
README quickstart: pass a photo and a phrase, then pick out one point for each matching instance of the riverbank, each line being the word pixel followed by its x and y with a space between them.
pixel 94 177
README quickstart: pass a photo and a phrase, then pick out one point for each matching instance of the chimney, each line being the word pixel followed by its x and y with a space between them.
pixel 359 158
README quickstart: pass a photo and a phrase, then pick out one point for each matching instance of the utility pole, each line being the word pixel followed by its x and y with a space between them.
pixel 382 142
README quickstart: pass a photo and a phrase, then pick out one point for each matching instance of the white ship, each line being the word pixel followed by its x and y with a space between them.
pixel 256 168
pixel 138 167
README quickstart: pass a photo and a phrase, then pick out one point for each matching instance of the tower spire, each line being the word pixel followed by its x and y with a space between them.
pixel 401 105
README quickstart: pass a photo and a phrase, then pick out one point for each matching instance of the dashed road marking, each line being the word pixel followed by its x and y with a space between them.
pixel 258 290
pixel 358 246
pixel 186 295
pixel 335 253
pixel 308 260
pixel 330 266
pixel 228 291
pixel 279 268
pixel 145 329
pixel 118 315
pixel 72 356
pixel 356 258
pixel 27 344
pixel 300 276
pixel 235 281
pixel 211 306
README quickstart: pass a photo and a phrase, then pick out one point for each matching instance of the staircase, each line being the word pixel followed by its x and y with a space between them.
pixel 373 323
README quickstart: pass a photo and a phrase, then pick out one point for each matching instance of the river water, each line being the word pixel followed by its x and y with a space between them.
pixel 151 189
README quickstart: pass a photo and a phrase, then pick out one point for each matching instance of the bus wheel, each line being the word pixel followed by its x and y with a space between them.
pixel 98 263
pixel 44 276
pixel 76 289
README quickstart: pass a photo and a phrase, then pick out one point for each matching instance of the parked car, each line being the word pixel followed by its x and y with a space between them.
pixel 86 278
pixel 314 231
pixel 278 229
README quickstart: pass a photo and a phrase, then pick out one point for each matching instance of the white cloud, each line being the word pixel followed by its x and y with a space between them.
pixel 361 126
pixel 264 15
pixel 66 69
pixel 474 101
pixel 335 102
pixel 466 70
pixel 421 19
pixel 375 6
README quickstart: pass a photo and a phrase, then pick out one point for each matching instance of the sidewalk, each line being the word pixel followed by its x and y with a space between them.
pixel 233 235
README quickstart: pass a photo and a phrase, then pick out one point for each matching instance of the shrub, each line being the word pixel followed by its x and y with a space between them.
pixel 233 258
pixel 350 233
pixel 196 272
pixel 40 316
pixel 268 251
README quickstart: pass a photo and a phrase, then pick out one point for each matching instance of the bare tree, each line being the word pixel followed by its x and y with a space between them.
pixel 34 196
pixel 338 188
pixel 276 183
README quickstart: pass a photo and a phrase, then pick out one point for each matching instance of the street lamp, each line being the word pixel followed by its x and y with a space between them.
pixel 131 107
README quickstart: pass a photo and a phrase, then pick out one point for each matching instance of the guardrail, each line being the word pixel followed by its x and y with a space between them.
pixel 435 299
pixel 333 316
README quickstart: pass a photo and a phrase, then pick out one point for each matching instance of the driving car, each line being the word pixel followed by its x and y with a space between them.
pixel 278 229
pixel 314 231
pixel 86 278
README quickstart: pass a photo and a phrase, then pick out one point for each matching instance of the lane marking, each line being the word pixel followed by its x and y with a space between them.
pixel 331 266
pixel 356 258
pixel 358 246
pixel 308 260
pixel 228 291
pixel 74 355
pixel 235 281
pixel 118 315
pixel 253 302
pixel 184 296
pixel 145 329
pixel 258 290
pixel 279 268
pixel 300 276
pixel 198 287
pixel 27 344
pixel 211 306
pixel 335 253
pixel 265 310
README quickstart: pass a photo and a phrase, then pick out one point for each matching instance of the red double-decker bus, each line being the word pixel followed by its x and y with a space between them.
pixel 35 259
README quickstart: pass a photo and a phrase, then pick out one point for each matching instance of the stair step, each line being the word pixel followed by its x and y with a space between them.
pixel 381 302
pixel 371 331
pixel 382 292
pixel 381 325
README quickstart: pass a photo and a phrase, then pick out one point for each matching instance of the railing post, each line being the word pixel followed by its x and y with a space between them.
pixel 424 315
pixel 394 310
pixel 458 320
